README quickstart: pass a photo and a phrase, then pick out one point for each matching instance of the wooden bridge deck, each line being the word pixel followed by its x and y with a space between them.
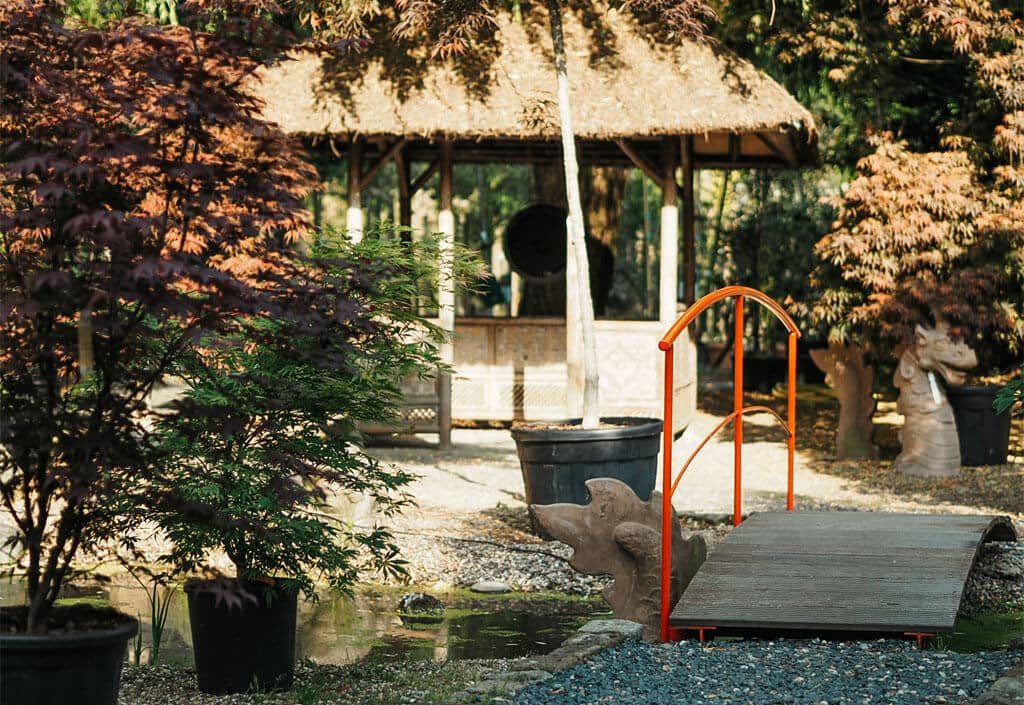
pixel 838 571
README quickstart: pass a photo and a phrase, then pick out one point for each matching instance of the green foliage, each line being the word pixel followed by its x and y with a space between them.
pixel 158 597
pixel 1010 395
pixel 773 220
pixel 269 425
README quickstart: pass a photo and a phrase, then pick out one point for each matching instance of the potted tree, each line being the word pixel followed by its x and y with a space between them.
pixel 267 430
pixel 920 239
pixel 588 446
pixel 139 189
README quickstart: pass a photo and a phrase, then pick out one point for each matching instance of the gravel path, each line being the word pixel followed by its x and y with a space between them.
pixel 779 672
pixel 524 563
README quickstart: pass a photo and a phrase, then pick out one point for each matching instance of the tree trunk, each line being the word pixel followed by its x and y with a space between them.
pixel 603 190
pixel 577 242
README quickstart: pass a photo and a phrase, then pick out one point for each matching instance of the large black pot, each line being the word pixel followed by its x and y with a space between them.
pixel 984 435
pixel 81 667
pixel 761 374
pixel 557 459
pixel 243 648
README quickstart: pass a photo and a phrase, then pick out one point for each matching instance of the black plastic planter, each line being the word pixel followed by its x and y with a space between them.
pixel 247 648
pixel 557 461
pixel 83 668
pixel 984 435
pixel 761 374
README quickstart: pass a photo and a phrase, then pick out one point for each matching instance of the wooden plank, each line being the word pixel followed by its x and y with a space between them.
pixel 811 566
pixel 847 571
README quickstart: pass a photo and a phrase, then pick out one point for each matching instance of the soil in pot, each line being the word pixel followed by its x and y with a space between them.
pixel 245 642
pixel 558 458
pixel 77 661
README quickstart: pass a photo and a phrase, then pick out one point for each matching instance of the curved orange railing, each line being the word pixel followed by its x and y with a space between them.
pixel 669 484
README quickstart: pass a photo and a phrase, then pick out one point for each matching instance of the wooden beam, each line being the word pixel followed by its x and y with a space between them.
pixel 689 224
pixel 639 161
pixel 387 156
pixel 734 147
pixel 420 180
pixel 446 292
pixel 789 158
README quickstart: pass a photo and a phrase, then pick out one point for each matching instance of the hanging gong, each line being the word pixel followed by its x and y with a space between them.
pixel 535 241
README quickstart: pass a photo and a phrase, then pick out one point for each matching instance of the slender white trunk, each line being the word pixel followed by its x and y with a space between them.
pixel 577 238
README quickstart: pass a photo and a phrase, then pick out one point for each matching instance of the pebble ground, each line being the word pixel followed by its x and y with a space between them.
pixel 781 672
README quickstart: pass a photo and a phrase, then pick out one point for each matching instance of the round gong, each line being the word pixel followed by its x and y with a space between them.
pixel 535 241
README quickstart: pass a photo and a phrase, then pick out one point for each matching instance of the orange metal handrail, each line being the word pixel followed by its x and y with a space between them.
pixel 667 345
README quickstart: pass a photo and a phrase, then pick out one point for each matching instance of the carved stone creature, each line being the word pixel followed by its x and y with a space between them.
pixel 619 534
pixel 930 444
pixel 853 381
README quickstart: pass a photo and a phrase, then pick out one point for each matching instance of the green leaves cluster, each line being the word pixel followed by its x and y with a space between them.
pixel 268 430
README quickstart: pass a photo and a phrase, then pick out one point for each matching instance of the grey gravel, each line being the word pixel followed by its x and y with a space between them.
pixel 524 567
pixel 781 672
pixel 996 582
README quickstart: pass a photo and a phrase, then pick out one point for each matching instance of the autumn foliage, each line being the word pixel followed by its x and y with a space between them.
pixel 938 235
pixel 144 202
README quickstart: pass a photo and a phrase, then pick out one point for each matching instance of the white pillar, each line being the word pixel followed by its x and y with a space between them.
pixel 668 274
pixel 446 293
pixel 354 222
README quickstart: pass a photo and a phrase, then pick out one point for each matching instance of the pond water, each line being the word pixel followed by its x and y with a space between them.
pixel 337 629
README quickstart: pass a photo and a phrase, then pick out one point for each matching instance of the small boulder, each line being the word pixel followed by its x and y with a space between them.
pixel 490 586
pixel 413 602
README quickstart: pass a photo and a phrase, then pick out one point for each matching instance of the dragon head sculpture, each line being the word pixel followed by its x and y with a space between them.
pixel 935 351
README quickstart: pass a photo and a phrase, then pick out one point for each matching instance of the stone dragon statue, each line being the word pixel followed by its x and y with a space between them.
pixel 620 534
pixel 929 437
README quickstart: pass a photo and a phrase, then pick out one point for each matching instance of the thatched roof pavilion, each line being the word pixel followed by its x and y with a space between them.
pixel 665 108
pixel 502 107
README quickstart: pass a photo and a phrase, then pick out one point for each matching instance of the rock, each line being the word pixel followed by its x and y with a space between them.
pixel 490 586
pixel 419 602
pixel 620 627
pixel 507 682
pixel 1008 690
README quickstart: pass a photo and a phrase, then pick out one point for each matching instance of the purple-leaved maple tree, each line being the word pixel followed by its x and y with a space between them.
pixel 143 202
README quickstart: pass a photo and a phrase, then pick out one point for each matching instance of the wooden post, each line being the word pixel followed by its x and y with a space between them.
pixel 354 215
pixel 446 294
pixel 404 169
pixel 668 275
pixel 689 225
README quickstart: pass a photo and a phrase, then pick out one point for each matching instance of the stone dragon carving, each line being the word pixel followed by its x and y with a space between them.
pixel 853 381
pixel 930 444
pixel 620 534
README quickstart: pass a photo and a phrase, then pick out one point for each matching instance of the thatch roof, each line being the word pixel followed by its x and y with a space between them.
pixel 624 87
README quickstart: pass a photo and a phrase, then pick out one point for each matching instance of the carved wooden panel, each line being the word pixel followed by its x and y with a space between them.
pixel 514 369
